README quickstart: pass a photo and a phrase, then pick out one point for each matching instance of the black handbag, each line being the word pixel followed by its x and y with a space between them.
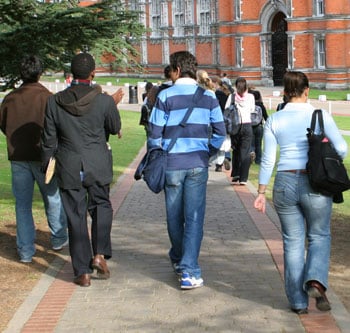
pixel 326 170
pixel 153 165
pixel 232 118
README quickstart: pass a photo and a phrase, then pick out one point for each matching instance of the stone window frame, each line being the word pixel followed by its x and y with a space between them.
pixel 239 51
pixel 319 8
pixel 155 18
pixel 238 10
pixel 320 51
pixel 178 11
pixel 204 17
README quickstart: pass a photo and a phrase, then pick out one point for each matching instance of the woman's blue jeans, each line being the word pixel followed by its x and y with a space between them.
pixel 305 219
pixel 24 176
pixel 185 198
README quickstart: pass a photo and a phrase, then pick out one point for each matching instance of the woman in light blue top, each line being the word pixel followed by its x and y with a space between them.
pixel 304 214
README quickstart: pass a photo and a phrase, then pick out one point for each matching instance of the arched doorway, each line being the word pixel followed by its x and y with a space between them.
pixel 279 48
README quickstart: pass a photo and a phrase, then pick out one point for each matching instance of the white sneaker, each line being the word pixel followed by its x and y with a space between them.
pixel 60 247
pixel 190 282
pixel 26 260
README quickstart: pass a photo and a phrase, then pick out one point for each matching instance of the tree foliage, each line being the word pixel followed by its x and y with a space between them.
pixel 57 31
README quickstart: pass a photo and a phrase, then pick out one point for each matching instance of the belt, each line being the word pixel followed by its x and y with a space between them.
pixel 296 171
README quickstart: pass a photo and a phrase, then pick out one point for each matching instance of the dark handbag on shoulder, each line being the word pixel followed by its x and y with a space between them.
pixel 153 165
pixel 232 118
pixel 326 170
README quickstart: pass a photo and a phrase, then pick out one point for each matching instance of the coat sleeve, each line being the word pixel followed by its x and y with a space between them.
pixel 49 135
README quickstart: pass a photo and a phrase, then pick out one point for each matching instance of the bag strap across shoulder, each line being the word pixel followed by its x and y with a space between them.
pixel 199 92
pixel 317 114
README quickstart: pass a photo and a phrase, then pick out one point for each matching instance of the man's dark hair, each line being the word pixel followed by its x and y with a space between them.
pixel 167 70
pixel 31 69
pixel 148 86
pixel 82 65
pixel 186 62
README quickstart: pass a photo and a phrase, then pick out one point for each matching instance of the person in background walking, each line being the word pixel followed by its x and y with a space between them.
pixel 148 87
pixel 223 157
pixel 22 119
pixel 78 122
pixel 281 106
pixel 225 80
pixel 304 214
pixel 241 142
pixel 204 80
pixel 187 170
pixel 147 106
pixel 259 128
pixel 168 81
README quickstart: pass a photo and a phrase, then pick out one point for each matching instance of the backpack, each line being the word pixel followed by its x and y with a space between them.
pixel 232 118
pixel 256 116
pixel 145 114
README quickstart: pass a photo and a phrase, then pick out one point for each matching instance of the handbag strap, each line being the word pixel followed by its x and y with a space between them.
pixel 317 114
pixel 199 92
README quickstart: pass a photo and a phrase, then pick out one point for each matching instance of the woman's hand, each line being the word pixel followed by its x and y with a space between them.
pixel 260 203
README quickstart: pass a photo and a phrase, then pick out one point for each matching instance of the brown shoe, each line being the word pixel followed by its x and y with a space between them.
pixel 317 291
pixel 83 280
pixel 100 264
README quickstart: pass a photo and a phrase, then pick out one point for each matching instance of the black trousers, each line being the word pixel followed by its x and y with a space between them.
pixel 77 203
pixel 241 146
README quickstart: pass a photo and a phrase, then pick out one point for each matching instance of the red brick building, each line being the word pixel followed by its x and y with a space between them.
pixel 257 39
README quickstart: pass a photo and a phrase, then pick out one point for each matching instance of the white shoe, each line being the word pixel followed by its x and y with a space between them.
pixel 190 282
pixel 60 247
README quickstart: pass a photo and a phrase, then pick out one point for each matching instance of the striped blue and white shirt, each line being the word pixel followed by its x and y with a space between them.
pixel 191 149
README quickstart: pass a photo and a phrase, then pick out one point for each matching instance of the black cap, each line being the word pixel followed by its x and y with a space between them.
pixel 82 65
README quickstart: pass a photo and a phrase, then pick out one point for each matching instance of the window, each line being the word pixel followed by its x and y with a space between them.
pixel 239 59
pixel 204 17
pixel 133 4
pixel 318 7
pixel 155 18
pixel 320 53
pixel 188 11
pixel 179 17
pixel 238 13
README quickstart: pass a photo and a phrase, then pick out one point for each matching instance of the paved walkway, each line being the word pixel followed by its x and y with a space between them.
pixel 242 264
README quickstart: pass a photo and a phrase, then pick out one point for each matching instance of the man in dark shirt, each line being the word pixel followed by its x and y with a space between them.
pixel 78 123
pixel 22 120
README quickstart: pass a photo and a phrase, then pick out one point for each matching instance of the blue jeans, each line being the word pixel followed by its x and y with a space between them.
pixel 24 175
pixel 185 199
pixel 305 216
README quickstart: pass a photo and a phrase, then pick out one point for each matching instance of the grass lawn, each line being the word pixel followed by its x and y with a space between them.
pixel 102 80
pixel 332 95
pixel 124 152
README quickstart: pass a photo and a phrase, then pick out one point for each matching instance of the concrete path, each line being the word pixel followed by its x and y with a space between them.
pixel 242 264
pixel 241 258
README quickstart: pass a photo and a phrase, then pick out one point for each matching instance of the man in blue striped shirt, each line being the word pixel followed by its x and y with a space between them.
pixel 187 171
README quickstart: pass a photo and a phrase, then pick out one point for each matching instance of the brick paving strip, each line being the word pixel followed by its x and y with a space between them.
pixel 315 321
pixel 42 309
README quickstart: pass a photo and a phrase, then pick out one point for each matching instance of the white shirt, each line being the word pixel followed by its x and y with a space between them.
pixel 245 106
